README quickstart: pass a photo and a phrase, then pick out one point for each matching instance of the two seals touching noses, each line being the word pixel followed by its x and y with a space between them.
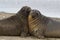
pixel 27 21
pixel 17 24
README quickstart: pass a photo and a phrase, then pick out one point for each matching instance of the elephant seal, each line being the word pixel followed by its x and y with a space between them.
pixel 23 13
pixel 41 26
pixel 36 27
pixel 16 25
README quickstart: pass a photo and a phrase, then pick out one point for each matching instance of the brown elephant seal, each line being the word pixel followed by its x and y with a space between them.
pixel 23 13
pixel 35 24
pixel 41 26
pixel 17 24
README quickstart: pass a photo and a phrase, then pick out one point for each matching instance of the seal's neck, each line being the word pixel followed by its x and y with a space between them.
pixel 23 14
pixel 44 19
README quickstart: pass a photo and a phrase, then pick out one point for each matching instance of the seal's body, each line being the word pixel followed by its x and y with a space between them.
pixel 16 24
pixel 53 29
pixel 10 26
pixel 40 26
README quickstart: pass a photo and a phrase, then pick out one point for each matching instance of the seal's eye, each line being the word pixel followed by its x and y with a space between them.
pixel 33 16
pixel 37 14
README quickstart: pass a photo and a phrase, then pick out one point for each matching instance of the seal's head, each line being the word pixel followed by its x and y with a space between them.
pixel 34 14
pixel 24 11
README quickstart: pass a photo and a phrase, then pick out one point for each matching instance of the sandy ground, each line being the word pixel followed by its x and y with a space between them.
pixel 6 15
pixel 24 38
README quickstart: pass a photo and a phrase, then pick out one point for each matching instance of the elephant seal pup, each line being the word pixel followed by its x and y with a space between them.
pixel 23 13
pixel 36 27
pixel 41 26
pixel 17 24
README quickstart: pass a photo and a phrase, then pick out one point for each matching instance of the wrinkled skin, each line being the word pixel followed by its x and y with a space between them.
pixel 52 29
pixel 41 26
pixel 17 24
pixel 35 25
pixel 10 26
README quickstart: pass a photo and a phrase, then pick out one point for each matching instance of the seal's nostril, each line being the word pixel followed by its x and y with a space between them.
pixel 33 16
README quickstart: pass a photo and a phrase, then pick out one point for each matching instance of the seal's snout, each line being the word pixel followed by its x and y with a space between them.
pixel 25 10
pixel 34 13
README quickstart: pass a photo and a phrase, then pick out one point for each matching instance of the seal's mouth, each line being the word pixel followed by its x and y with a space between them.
pixel 26 11
pixel 33 15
